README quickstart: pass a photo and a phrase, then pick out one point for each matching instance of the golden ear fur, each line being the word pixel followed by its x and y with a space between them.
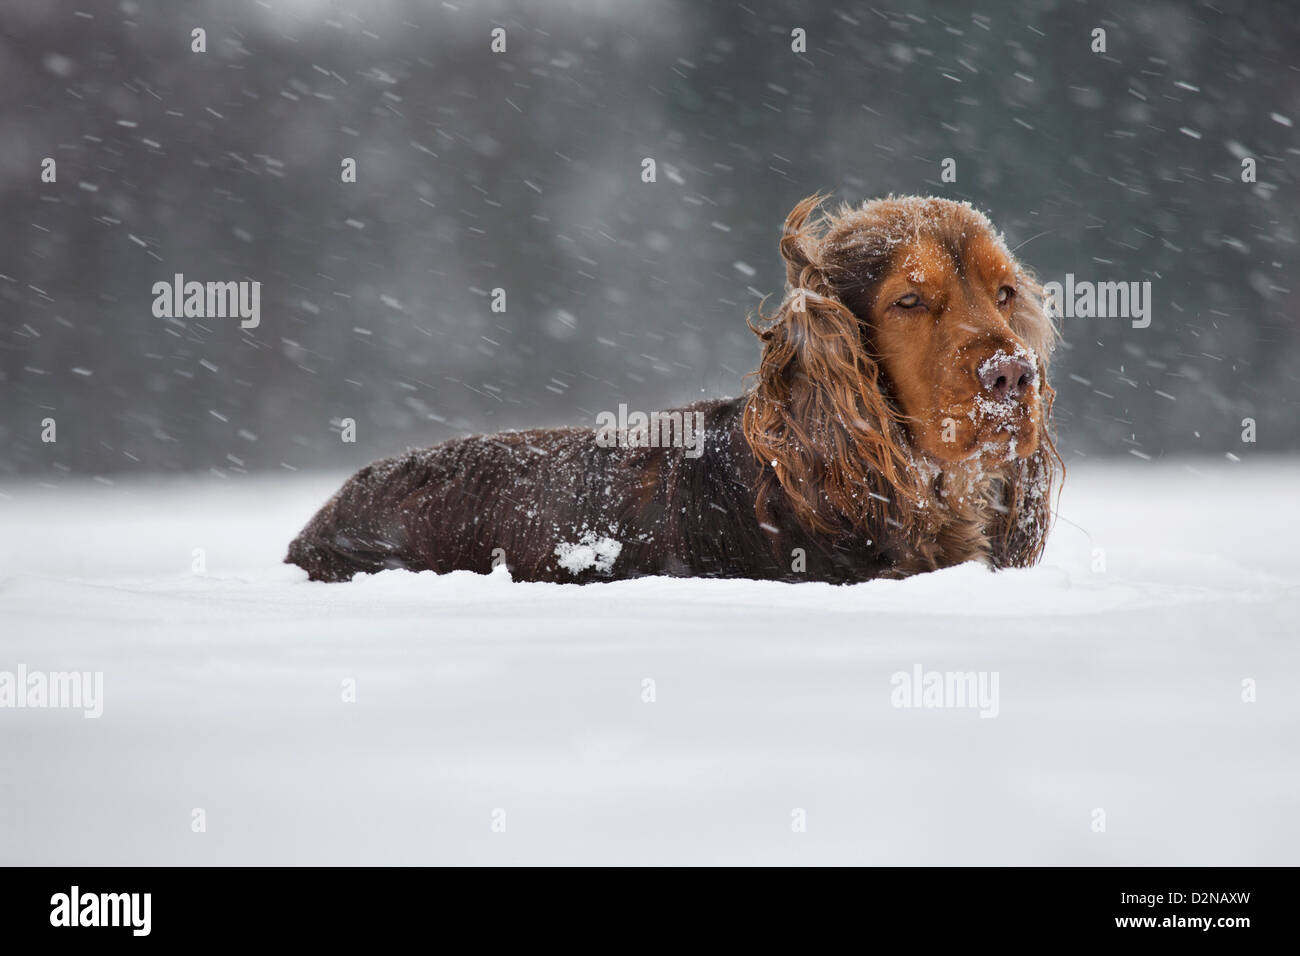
pixel 818 415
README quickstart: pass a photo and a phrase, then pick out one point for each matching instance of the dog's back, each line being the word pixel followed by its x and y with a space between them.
pixel 463 505
pixel 552 505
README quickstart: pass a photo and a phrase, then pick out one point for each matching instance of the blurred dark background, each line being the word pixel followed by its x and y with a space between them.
pixel 522 170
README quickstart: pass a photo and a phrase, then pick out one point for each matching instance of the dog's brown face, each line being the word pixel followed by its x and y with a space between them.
pixel 941 327
pixel 941 299
pixel 908 335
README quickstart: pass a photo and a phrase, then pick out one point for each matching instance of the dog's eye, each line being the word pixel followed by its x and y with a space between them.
pixel 909 301
pixel 1005 294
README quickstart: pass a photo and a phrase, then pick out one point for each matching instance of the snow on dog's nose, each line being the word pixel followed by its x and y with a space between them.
pixel 1006 377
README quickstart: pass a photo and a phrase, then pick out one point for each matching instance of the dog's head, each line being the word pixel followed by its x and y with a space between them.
pixel 908 333
pixel 954 322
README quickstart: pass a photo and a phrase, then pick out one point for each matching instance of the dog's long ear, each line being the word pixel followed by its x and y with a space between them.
pixel 818 420
pixel 1027 494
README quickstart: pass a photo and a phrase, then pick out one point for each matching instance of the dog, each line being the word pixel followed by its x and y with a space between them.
pixel 899 422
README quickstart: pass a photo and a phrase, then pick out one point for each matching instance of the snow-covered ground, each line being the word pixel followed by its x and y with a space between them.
pixel 1119 690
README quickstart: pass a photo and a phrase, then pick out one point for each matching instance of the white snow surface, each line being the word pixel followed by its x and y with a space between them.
pixel 1119 689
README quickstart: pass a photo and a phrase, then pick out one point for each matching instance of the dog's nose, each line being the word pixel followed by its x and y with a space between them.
pixel 1006 377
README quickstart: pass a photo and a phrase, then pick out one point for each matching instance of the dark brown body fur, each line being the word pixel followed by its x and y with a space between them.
pixel 453 506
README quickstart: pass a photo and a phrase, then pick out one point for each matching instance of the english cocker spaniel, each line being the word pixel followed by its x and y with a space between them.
pixel 898 422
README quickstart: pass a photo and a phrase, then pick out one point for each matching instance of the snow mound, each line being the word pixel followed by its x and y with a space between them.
pixel 590 553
